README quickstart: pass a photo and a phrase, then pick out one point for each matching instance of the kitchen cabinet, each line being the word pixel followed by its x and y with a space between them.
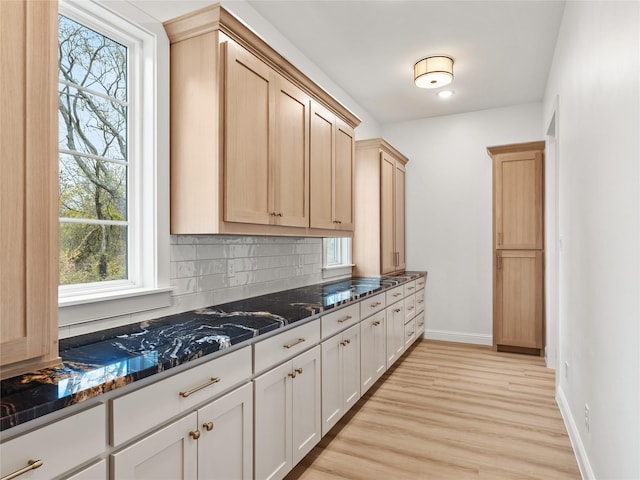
pixel 28 187
pixel 60 447
pixel 266 159
pixel 242 138
pixel 379 236
pixel 518 247
pixel 287 414
pixel 214 442
pixel 373 359
pixel 97 471
pixel 395 332
pixel 332 170
pixel 340 375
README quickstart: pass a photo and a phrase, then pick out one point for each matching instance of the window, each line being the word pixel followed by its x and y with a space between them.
pixel 93 155
pixel 336 254
pixel 113 162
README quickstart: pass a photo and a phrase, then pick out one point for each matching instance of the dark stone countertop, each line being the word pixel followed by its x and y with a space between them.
pixel 103 361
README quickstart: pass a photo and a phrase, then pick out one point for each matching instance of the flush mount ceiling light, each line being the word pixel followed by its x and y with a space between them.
pixel 433 72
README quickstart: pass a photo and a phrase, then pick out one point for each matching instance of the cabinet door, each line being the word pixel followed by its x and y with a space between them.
pixel 387 214
pixel 28 186
pixel 225 447
pixel 519 200
pixel 519 298
pixel 399 216
pixel 272 391
pixel 350 367
pixel 170 453
pixel 343 176
pixel 372 350
pixel 321 164
pixel 395 332
pixel 248 117
pixel 290 155
pixel 331 384
pixel 305 412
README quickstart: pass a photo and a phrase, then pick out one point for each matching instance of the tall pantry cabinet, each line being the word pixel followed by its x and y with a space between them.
pixel 28 186
pixel 379 235
pixel 518 239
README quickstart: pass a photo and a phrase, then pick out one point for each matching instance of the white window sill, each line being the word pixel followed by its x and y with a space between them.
pixel 85 308
pixel 331 271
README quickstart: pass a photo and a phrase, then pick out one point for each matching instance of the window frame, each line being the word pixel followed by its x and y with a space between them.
pixel 343 264
pixel 147 286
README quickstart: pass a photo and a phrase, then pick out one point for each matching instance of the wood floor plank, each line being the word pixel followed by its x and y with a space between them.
pixel 450 411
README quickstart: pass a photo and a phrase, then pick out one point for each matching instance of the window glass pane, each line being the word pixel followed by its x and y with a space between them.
pixel 92 253
pixel 92 189
pixel 332 251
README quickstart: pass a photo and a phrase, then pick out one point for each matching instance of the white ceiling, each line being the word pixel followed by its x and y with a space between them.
pixel 502 49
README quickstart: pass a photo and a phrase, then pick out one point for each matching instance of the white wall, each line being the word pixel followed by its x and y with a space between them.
pixel 449 211
pixel 595 75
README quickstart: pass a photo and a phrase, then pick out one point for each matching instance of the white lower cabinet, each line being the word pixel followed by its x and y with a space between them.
pixel 340 375
pixel 287 414
pixel 373 361
pixel 420 325
pixel 409 333
pixel 97 471
pixel 211 443
pixel 395 332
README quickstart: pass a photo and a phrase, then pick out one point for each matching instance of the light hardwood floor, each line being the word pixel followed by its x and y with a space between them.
pixel 450 411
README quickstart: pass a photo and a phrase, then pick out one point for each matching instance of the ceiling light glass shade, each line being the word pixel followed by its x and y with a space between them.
pixel 433 72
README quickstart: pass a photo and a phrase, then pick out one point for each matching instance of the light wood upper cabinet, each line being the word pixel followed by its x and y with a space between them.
pixel 266 160
pixel 518 177
pixel 332 171
pixel 244 139
pixel 379 237
pixel 28 186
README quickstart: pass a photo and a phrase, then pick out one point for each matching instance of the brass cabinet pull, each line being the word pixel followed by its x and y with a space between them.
pixel 279 214
pixel 374 305
pixel 410 307
pixel 195 434
pixel 298 370
pixel 376 323
pixel 204 385
pixel 348 317
pixel 420 301
pixel 289 345
pixel 421 324
pixel 396 294
pixel 346 342
pixel 32 465
pixel 411 334
pixel 208 426
pixel 411 288
pixel 396 310
pixel 295 373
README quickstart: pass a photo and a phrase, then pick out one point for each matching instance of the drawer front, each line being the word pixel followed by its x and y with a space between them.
pixel 409 307
pixel 420 324
pixel 61 446
pixel 420 301
pixel 409 333
pixel 395 294
pixel 409 288
pixel 97 471
pixel 420 282
pixel 372 305
pixel 335 322
pixel 153 405
pixel 279 348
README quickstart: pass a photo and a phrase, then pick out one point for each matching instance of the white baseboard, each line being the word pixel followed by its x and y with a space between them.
pixel 459 337
pixel 574 436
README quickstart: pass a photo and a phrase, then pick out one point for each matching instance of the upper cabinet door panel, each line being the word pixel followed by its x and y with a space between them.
pixel 322 152
pixel 247 175
pixel 519 200
pixel 290 155
pixel 399 231
pixel 343 176
pixel 387 214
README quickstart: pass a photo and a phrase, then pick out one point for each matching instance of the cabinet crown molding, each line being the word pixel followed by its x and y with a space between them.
pixel 515 147
pixel 382 144
pixel 217 18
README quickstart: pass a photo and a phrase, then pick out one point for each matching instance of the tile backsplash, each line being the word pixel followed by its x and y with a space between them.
pixel 212 269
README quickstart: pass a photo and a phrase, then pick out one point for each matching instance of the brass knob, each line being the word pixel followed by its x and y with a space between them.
pixel 298 370
pixel 293 374
pixel 396 310
pixel 208 426
pixel 195 434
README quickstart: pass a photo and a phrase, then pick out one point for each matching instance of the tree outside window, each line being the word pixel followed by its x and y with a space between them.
pixel 93 160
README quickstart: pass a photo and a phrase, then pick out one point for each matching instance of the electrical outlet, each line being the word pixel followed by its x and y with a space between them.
pixel 586 416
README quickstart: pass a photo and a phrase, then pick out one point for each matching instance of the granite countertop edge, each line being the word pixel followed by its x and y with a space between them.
pixel 103 361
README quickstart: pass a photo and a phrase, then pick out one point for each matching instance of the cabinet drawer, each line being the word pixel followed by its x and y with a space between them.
pixel 334 322
pixel 420 301
pixel 409 288
pixel 97 471
pixel 61 446
pixel 369 306
pixel 153 405
pixel 420 324
pixel 409 307
pixel 420 282
pixel 285 345
pixel 409 333
pixel 395 294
